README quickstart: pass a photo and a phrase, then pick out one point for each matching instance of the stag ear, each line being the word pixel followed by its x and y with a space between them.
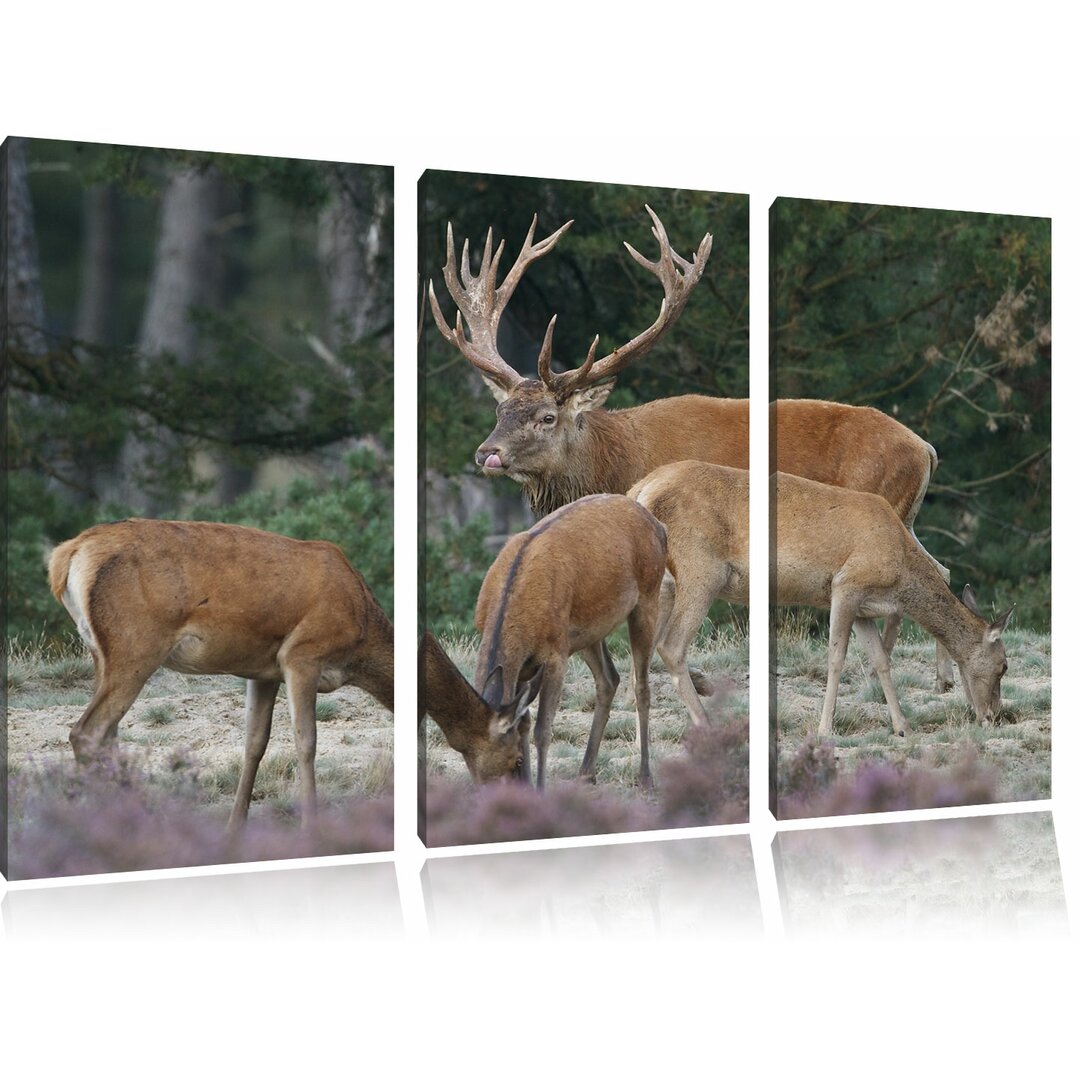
pixel 998 626
pixel 585 400
pixel 497 391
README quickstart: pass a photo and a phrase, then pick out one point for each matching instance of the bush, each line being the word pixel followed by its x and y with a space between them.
pixel 68 821
pixel 808 785
pixel 707 784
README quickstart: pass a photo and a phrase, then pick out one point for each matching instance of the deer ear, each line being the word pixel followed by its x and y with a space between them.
pixel 493 688
pixel 998 626
pixel 585 400
pixel 497 390
pixel 968 599
pixel 510 716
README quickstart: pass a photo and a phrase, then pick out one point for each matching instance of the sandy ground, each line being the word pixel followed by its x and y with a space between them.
pixel 207 725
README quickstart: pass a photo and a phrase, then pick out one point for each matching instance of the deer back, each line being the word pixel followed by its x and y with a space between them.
pixel 566 582
pixel 229 597
pixel 855 447
pixel 706 511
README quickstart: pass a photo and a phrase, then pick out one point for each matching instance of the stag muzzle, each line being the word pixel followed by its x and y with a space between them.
pixel 492 459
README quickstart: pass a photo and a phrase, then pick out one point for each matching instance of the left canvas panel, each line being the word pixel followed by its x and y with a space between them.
pixel 198 467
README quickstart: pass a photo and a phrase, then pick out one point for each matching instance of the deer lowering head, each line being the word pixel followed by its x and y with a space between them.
pixel 488 735
pixel 206 598
pixel 543 437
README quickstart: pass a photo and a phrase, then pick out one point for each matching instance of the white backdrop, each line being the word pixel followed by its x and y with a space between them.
pixel 915 106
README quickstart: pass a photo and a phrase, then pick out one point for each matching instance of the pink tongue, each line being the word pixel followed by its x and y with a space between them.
pixel 493 461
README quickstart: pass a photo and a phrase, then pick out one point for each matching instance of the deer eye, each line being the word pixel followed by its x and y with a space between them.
pixel 549 418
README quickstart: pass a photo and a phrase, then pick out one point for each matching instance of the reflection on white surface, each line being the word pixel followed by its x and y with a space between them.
pixel 339 902
pixel 671 888
pixel 988 875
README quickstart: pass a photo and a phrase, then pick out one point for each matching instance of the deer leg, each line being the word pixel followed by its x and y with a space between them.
pixel 691 607
pixel 550 692
pixel 301 685
pixel 258 713
pixel 668 601
pixel 868 636
pixel 607 681
pixel 841 616
pixel 642 625
pixel 115 692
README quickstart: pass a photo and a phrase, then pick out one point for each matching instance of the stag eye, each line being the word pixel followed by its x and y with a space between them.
pixel 549 418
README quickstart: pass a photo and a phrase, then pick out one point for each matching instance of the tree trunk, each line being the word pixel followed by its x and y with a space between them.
pixel 356 246
pixel 24 305
pixel 188 272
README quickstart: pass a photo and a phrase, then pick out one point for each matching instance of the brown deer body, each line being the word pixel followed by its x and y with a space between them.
pixel 204 598
pixel 553 436
pixel 560 588
pixel 706 511
pixel 489 738
pixel 840 550
pixel 847 552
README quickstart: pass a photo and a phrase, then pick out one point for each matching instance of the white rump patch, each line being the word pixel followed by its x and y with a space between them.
pixel 75 599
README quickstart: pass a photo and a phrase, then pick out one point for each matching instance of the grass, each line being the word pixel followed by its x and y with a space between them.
pixel 943 729
pixel 183 739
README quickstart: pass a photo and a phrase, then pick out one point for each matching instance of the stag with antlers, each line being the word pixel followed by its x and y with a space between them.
pixel 553 436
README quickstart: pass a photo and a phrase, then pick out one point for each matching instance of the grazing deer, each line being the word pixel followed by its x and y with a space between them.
pixel 488 737
pixel 558 589
pixel 206 598
pixel 842 550
pixel 706 511
pixel 553 436
pixel 861 449
pixel 847 552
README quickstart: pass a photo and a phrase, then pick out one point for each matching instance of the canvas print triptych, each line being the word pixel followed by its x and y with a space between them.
pixel 199 465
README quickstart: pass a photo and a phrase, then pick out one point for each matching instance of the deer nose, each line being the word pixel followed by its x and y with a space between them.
pixel 486 452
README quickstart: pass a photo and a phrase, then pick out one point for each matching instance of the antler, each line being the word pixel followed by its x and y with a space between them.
pixel 677 288
pixel 482 304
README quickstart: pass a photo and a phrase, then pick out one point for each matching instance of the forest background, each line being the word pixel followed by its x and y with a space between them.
pixel 195 335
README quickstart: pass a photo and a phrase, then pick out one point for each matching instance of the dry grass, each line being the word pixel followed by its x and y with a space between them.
pixel 201 718
pixel 943 728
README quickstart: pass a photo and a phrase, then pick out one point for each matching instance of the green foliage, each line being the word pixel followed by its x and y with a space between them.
pixel 940 319
pixel 454 565
pixel 353 509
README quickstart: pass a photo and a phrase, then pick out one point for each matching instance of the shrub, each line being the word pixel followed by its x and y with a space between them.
pixel 107 818
pixel 808 785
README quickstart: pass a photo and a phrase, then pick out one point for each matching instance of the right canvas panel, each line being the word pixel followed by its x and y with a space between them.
pixel 909 508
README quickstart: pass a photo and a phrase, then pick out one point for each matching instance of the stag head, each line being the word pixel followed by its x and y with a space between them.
pixel 539 420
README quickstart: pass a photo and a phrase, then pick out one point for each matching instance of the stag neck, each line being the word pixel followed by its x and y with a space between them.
pixel 603 457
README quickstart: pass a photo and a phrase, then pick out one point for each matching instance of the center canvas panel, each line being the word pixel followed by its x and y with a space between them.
pixel 584 375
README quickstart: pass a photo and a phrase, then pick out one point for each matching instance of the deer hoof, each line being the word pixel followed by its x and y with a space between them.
pixel 702 685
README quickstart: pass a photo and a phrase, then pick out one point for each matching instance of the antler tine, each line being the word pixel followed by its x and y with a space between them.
pixel 481 304
pixel 678 277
